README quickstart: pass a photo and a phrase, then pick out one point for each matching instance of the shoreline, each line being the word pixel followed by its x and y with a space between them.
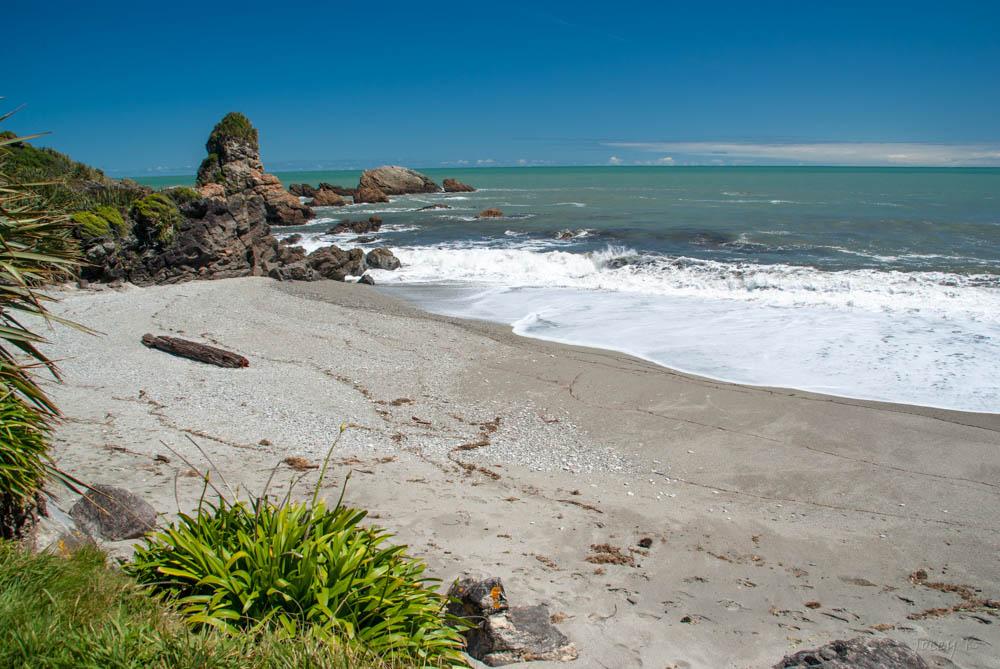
pixel 758 501
pixel 387 290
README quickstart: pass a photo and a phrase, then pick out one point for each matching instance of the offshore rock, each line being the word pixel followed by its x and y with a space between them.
pixel 370 194
pixel 371 225
pixel 456 186
pixel 301 190
pixel 396 180
pixel 490 213
pixel 325 197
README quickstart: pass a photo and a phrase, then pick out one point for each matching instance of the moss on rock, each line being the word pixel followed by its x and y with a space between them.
pixel 159 215
pixel 91 225
pixel 210 170
pixel 114 217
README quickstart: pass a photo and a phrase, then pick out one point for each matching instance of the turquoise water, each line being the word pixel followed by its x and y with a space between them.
pixel 880 283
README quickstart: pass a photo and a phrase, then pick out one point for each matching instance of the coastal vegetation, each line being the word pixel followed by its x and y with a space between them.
pixel 158 216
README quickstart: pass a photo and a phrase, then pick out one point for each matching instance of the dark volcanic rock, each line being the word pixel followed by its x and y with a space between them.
pixel 327 198
pixel 504 635
pixel 369 194
pixel 396 180
pixel 858 653
pixel 456 186
pixel 371 225
pixel 381 258
pixel 113 513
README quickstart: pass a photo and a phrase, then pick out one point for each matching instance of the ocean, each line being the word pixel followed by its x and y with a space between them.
pixel 873 283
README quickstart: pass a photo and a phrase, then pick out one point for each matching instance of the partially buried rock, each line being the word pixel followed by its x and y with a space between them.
pixel 367 279
pixel 327 198
pixel 858 653
pixel 382 258
pixel 370 194
pixel 456 186
pixel 113 513
pixel 490 213
pixel 504 635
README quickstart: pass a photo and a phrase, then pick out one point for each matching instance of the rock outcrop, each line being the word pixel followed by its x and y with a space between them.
pixel 359 227
pixel 339 190
pixel 113 513
pixel 327 198
pixel 396 180
pixel 456 186
pixel 369 194
pixel 301 190
pixel 504 635
pixel 233 162
pixel 858 653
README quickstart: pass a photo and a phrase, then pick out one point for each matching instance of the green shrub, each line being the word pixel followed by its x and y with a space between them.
pixel 159 215
pixel 233 125
pixel 23 438
pixel 210 170
pixel 114 218
pixel 91 225
pixel 73 612
pixel 300 570
pixel 182 194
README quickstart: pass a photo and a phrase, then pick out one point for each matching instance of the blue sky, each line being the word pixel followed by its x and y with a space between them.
pixel 135 87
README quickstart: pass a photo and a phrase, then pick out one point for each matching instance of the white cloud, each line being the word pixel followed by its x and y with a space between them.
pixel 828 153
pixel 615 160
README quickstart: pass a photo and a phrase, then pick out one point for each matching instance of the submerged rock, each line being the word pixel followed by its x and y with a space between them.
pixel 434 206
pixel 396 180
pixel 504 635
pixel 490 213
pixel 371 225
pixel 857 653
pixel 456 186
pixel 113 513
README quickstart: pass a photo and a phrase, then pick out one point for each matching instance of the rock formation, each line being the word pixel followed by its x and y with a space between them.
pixel 327 198
pixel 490 213
pixel 301 190
pixel 381 258
pixel 339 190
pixel 456 186
pixel 371 225
pixel 395 180
pixel 233 162
pixel 369 194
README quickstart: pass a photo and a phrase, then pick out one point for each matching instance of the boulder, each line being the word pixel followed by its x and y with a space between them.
pixel 332 262
pixel 371 225
pixel 291 240
pixel 327 198
pixel 490 213
pixel 382 258
pixel 504 635
pixel 857 653
pixel 369 194
pixel 456 186
pixel 396 180
pixel 367 279
pixel 113 513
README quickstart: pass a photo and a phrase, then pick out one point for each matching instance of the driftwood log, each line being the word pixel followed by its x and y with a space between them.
pixel 195 351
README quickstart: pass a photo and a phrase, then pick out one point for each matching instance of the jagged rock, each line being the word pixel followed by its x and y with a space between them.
pixel 212 190
pixel 367 279
pixel 504 635
pixel 302 190
pixel 396 180
pixel 490 213
pixel 291 240
pixel 371 225
pixel 234 162
pixel 339 190
pixel 327 198
pixel 382 258
pixel 857 653
pixel 365 240
pixel 369 194
pixel 456 186
pixel 113 513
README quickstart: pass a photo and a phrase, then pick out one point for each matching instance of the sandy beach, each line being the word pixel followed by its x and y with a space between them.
pixel 779 520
